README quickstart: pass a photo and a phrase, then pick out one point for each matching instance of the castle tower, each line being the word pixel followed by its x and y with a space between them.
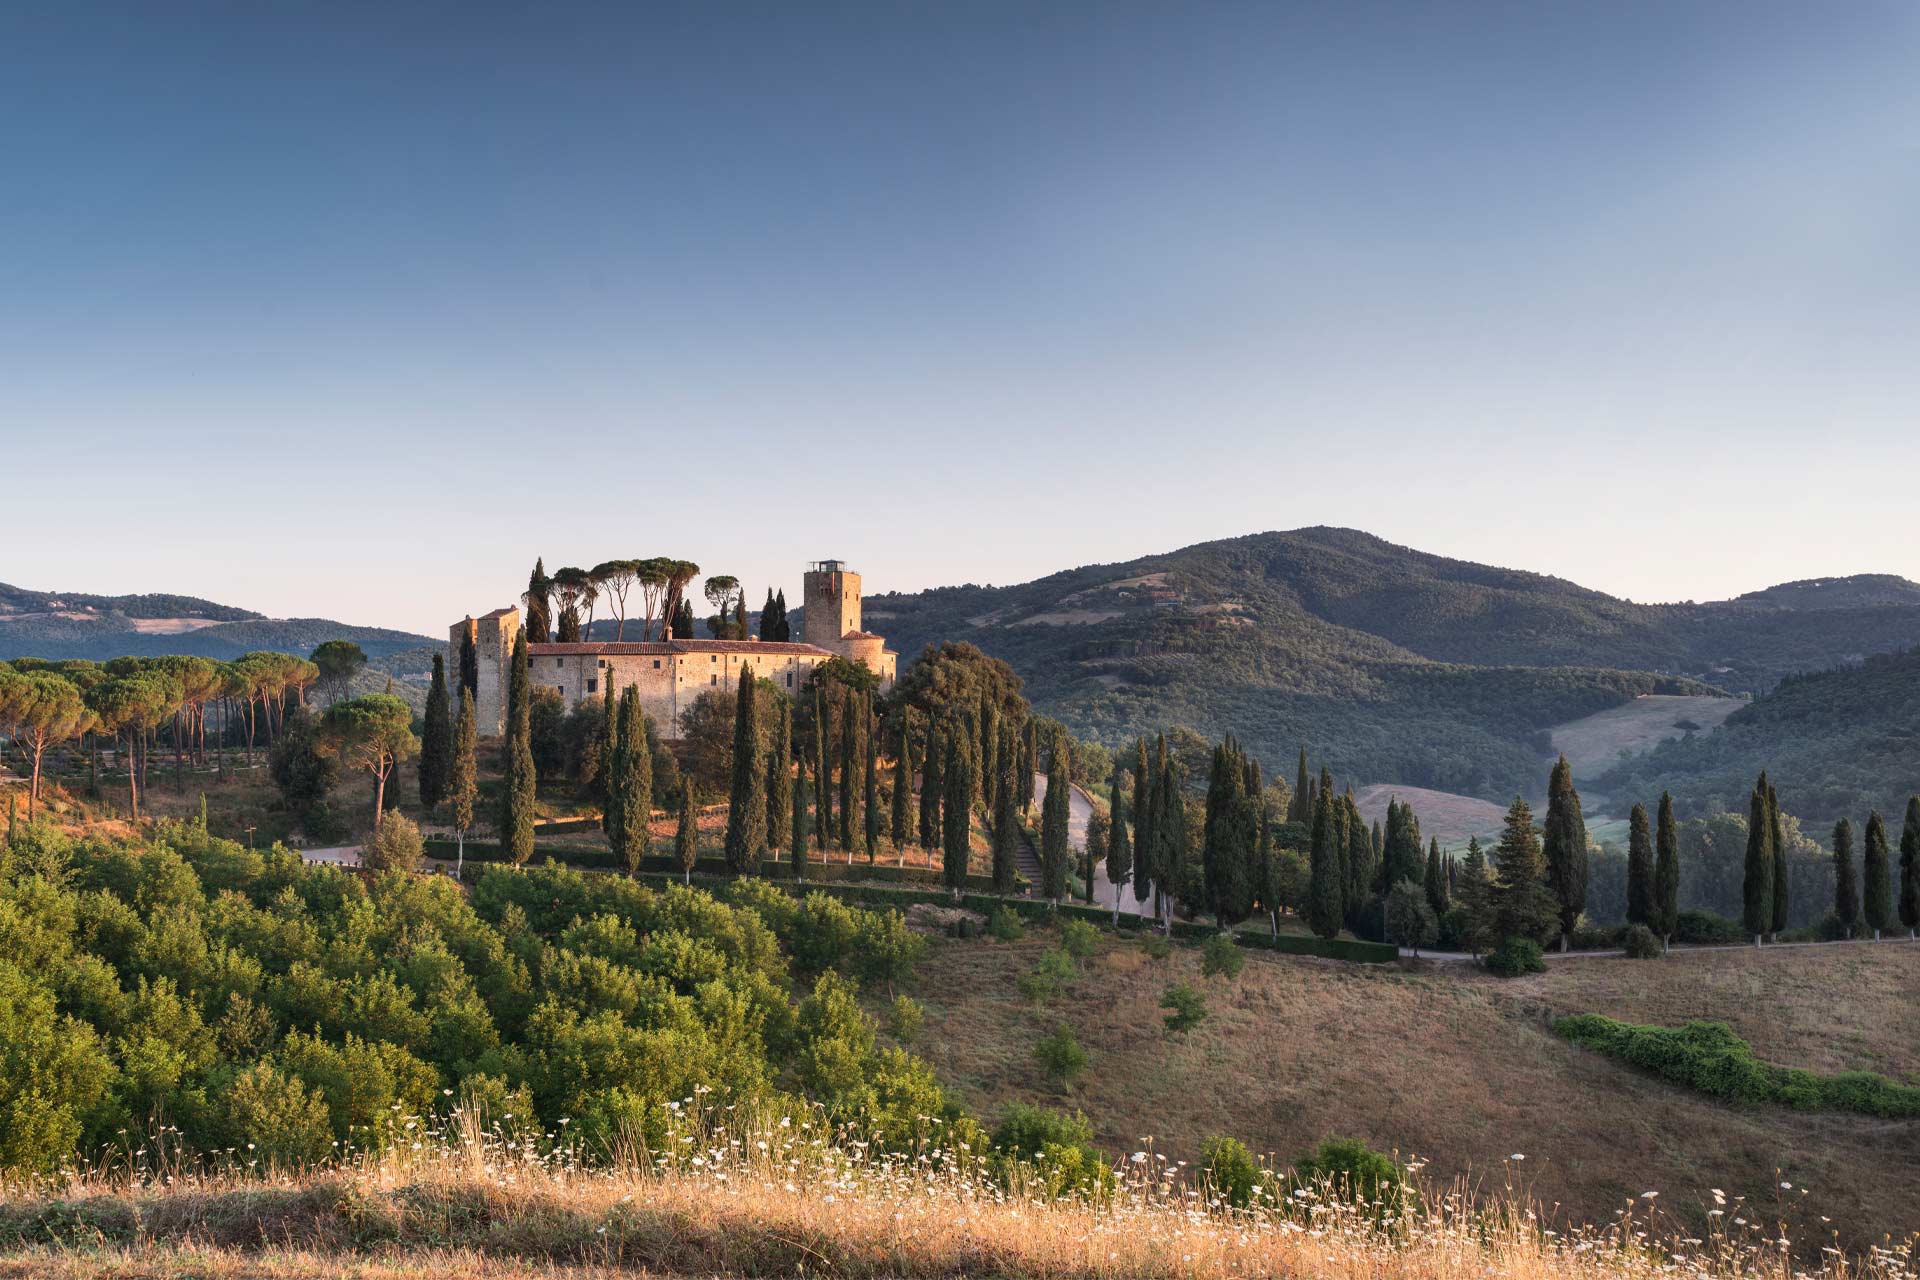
pixel 832 604
pixel 493 636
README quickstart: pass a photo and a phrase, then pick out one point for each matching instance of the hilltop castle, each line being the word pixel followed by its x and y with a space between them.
pixel 670 674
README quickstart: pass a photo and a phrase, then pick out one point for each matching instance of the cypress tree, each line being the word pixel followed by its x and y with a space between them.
pixel 686 836
pixel 1776 837
pixel 1565 843
pixel 1054 815
pixel 768 618
pixel 822 774
pixel 1846 889
pixel 1119 851
pixel 870 773
pixel 517 796
pixel 780 776
pixel 1298 802
pixel 609 742
pixel 1359 860
pixel 1436 885
pixel 1326 905
pixel 436 739
pixel 1666 872
pixel 1910 867
pixel 462 779
pixel 539 602
pixel 956 818
pixel 1524 904
pixel 989 749
pixel 780 607
pixel 1224 777
pixel 850 787
pixel 902 822
pixel 1006 833
pixel 1142 824
pixel 1877 889
pixel 740 617
pixel 1029 764
pixel 1169 839
pixel 932 783
pixel 746 798
pixel 469 662
pixel 1640 909
pixel 632 804
pixel 1757 882
pixel 799 812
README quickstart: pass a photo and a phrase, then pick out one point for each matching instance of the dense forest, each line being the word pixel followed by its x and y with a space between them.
pixel 1842 741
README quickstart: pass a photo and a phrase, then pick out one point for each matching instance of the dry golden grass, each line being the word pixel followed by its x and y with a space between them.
pixel 1592 744
pixel 1459 1071
pixel 768 1199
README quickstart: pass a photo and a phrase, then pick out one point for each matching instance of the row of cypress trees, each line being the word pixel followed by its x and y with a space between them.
pixel 1869 900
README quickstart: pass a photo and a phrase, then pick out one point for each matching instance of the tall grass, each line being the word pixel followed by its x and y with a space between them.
pixel 734 1193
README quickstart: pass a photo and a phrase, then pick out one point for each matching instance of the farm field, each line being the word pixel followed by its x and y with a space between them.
pixel 1593 744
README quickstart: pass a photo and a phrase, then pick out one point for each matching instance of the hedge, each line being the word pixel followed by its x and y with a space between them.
pixel 591 859
pixel 1709 1057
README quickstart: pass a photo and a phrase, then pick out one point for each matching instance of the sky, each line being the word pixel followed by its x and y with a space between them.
pixel 352 309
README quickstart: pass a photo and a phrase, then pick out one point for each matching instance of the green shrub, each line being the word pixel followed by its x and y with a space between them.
pixel 884 949
pixel 1705 929
pixel 395 845
pixel 1641 944
pixel 1592 937
pixel 1348 1169
pixel 1035 1148
pixel 1189 1008
pixel 1709 1057
pixel 1232 1173
pixel 1516 956
pixel 1156 947
pixel 1079 939
pixel 1060 1055
pixel 1047 978
pixel 823 933
pixel 1004 926
pixel 905 1018
pixel 1222 955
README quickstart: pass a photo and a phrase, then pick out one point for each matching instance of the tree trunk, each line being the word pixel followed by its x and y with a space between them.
pixel 133 779
pixel 179 755
pixel 460 856
pixel 33 788
pixel 379 796
pixel 1273 919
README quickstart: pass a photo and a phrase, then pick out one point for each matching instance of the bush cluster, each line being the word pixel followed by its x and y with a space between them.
pixel 1515 957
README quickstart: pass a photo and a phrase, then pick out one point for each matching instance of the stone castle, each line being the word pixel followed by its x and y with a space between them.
pixel 670 674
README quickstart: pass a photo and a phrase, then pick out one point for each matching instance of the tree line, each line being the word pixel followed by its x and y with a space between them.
pixel 560 606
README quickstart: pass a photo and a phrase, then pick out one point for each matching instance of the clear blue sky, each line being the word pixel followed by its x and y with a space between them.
pixel 354 308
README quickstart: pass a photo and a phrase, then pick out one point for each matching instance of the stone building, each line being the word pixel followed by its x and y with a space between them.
pixel 671 674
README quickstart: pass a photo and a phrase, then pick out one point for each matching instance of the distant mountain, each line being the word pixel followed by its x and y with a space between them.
pixel 46 624
pixel 1392 664
pixel 1835 743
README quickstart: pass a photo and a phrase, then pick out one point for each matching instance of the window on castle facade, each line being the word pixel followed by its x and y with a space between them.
pixel 713 679
pixel 593 686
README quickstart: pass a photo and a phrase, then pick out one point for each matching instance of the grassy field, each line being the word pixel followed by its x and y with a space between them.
pixel 1595 743
pixel 1460 1071
pixel 1449 818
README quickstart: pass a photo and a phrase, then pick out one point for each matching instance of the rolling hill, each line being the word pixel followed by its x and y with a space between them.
pixel 1397 665
pixel 45 624
pixel 1837 743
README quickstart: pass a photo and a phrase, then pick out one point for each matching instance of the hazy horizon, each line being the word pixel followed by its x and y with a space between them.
pixel 350 312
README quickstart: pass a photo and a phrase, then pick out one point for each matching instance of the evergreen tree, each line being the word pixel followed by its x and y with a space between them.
pixel 1119 850
pixel 989 749
pixel 1360 866
pixel 1846 887
pixel 780 775
pixel 609 742
pixel 1054 815
pixel 932 782
pixel 1757 883
pixel 1436 885
pixel 1006 833
pixel 870 774
pixel 539 602
pixel 822 774
pixel 632 785
pixel 1297 810
pixel 1777 840
pixel 1142 824
pixel 1326 898
pixel 1405 858
pixel 436 739
pixel 902 818
pixel 1876 888
pixel 746 798
pixel 1666 872
pixel 956 817
pixel 517 795
pixel 686 835
pixel 785 629
pixel 1565 843
pixel 462 777
pixel 1910 867
pixel 1524 904
pixel 1475 894
pixel 1170 847
pixel 740 617
pixel 801 801
pixel 768 619
pixel 469 662
pixel 1029 763
pixel 1640 908
pixel 850 787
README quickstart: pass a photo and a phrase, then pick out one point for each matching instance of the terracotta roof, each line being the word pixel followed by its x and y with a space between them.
pixel 660 648
pixel 860 635
pixel 499 613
